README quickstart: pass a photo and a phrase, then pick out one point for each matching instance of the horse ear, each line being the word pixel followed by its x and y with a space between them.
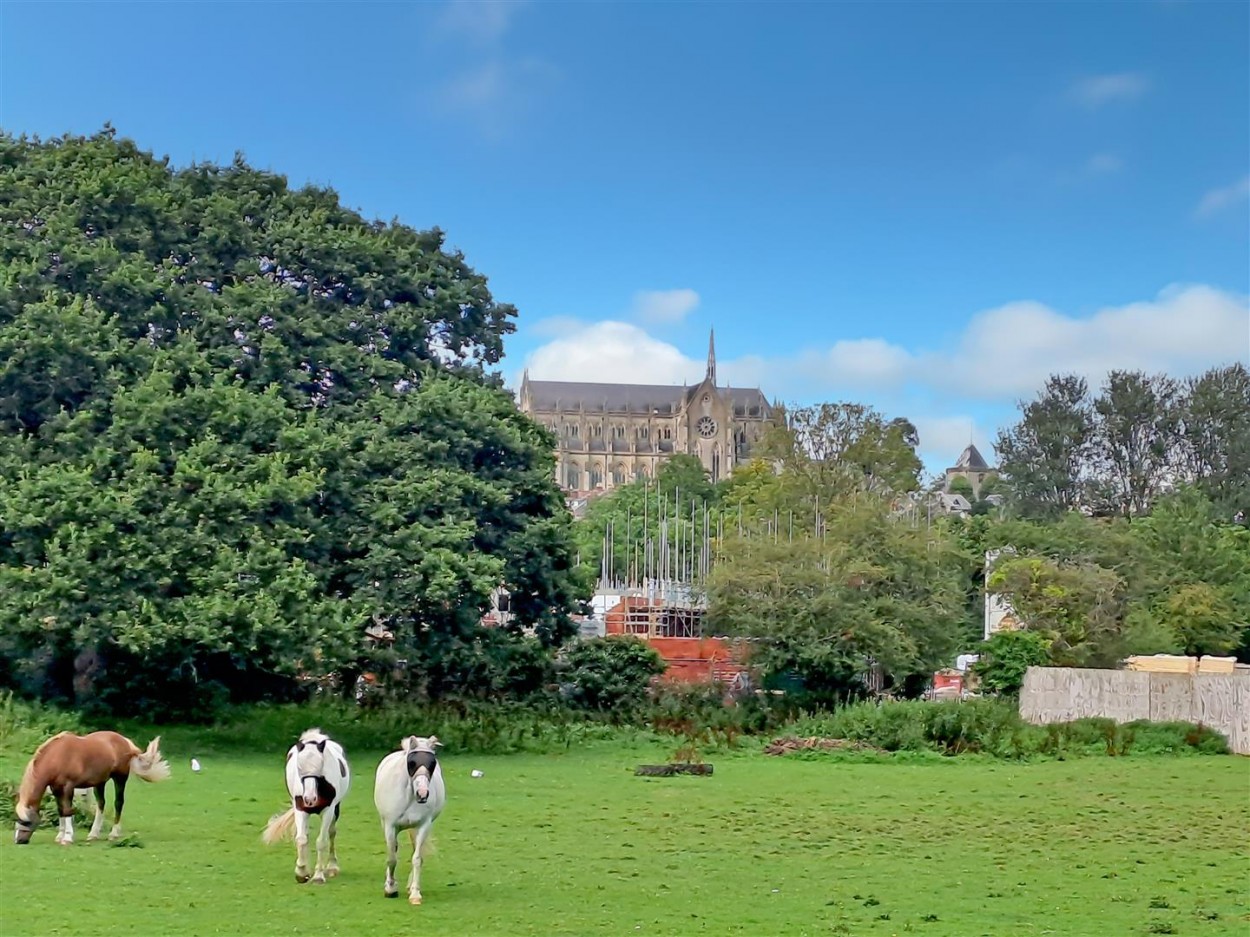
pixel 434 742
pixel 321 746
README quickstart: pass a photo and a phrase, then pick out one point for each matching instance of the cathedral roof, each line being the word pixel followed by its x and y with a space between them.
pixel 634 398
pixel 970 458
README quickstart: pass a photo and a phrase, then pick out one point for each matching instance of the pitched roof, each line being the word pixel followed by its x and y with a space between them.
pixel 970 458
pixel 634 398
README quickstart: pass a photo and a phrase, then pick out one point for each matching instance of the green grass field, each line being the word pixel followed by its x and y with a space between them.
pixel 575 844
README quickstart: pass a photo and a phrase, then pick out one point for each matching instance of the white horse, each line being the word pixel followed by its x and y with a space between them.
pixel 318 779
pixel 409 794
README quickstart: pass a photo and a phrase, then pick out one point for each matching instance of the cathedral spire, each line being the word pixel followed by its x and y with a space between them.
pixel 711 356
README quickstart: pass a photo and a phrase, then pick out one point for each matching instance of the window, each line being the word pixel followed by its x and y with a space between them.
pixel 618 474
pixel 571 430
pixel 572 477
pixel 596 476
pixel 643 432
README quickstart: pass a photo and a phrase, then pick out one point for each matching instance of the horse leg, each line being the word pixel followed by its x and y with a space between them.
pixel 119 801
pixel 419 836
pixel 332 867
pixel 97 825
pixel 389 888
pixel 301 846
pixel 65 806
pixel 323 847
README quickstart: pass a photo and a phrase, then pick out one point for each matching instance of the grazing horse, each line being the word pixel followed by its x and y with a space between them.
pixel 68 761
pixel 318 779
pixel 409 794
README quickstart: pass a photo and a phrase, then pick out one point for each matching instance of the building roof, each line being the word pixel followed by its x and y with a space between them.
pixel 970 458
pixel 632 398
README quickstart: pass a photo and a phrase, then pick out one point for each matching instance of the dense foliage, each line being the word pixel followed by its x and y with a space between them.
pixel 238 423
pixel 1116 452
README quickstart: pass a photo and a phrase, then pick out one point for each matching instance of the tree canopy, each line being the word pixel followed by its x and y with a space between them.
pixel 239 422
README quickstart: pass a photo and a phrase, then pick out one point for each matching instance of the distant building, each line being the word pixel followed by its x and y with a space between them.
pixel 972 466
pixel 613 434
pixel 999 615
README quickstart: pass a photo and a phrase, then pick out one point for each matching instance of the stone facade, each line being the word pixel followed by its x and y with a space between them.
pixel 612 434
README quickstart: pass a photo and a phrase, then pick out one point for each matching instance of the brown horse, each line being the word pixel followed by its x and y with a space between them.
pixel 68 761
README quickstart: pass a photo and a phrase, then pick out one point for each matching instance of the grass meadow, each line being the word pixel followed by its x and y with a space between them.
pixel 575 844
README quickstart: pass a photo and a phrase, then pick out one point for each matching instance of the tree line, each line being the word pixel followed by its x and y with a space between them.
pixel 239 423
pixel 834 581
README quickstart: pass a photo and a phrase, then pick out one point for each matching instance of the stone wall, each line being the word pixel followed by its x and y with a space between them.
pixel 1218 701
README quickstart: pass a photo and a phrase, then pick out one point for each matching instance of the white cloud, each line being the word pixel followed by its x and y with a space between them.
pixel 487 87
pixel 943 438
pixel 1003 354
pixel 1102 163
pixel 1218 199
pixel 664 306
pixel 496 94
pixel 861 362
pixel 1012 349
pixel 483 21
pixel 612 352
pixel 1094 91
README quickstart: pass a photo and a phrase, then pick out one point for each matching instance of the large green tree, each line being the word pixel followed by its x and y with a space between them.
pixel 1044 458
pixel 238 422
pixel 870 590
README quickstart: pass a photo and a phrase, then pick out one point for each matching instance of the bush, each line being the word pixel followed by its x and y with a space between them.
pixel 609 674
pixel 24 725
pixel 994 727
pixel 1005 658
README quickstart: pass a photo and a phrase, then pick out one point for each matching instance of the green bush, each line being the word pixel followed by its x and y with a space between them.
pixel 609 674
pixel 24 725
pixel 1005 658
pixel 994 727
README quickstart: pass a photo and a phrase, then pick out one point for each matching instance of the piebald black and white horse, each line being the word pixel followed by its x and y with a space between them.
pixel 409 794
pixel 318 779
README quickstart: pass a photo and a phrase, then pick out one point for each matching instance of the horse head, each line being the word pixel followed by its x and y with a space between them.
pixel 310 762
pixel 27 820
pixel 422 763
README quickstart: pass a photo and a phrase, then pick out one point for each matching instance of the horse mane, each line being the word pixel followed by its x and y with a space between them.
pixel 26 791
pixel 311 735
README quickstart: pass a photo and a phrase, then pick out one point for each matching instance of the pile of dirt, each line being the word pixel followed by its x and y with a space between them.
pixel 793 743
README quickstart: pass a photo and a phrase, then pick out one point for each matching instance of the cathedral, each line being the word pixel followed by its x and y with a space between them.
pixel 611 434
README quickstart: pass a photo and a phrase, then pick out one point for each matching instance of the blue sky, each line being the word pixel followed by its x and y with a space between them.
pixel 927 207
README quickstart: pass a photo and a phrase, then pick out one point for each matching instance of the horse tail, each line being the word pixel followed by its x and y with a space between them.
pixel 279 828
pixel 149 764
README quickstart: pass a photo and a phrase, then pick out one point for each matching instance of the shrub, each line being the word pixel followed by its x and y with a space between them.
pixel 1006 656
pixel 994 727
pixel 609 674
pixel 24 725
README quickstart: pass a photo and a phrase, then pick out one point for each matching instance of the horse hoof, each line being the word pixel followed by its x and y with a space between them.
pixel 331 873
pixel 301 878
pixel 318 879
pixel 415 899
pixel 391 894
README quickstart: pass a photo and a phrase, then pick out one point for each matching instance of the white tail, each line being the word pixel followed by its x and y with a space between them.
pixel 279 828
pixel 149 764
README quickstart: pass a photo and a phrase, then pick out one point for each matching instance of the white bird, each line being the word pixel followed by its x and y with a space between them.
pixel 195 764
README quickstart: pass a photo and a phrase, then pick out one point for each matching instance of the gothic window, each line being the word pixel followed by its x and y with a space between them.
pixel 572 477
pixel 643 432
pixel 572 430
pixel 706 427
pixel 596 476
pixel 618 474
pixel 597 430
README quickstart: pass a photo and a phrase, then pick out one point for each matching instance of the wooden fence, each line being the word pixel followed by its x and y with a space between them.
pixel 1218 701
